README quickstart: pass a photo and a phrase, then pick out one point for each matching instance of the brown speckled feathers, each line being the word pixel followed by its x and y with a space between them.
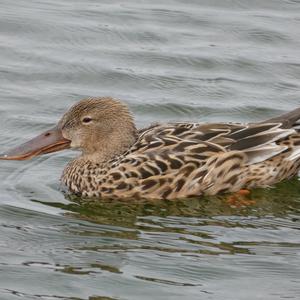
pixel 190 159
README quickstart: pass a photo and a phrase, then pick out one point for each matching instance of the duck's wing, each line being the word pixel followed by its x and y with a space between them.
pixel 182 159
pixel 257 141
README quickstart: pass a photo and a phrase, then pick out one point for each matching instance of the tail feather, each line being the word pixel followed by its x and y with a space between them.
pixel 287 120
pixel 294 155
pixel 263 153
pixel 263 138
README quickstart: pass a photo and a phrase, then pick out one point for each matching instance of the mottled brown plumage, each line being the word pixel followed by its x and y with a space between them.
pixel 180 159
pixel 173 160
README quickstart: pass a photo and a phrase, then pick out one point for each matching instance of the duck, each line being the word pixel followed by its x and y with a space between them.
pixel 165 161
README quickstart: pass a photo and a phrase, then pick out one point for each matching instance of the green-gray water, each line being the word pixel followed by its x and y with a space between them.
pixel 170 60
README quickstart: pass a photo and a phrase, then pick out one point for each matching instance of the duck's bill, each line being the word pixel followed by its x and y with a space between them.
pixel 49 141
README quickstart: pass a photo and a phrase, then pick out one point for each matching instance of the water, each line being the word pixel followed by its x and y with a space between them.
pixel 168 60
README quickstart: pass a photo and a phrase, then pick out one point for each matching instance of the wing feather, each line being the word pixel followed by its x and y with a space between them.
pixel 257 141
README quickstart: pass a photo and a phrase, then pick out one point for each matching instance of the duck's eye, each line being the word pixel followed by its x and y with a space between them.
pixel 87 120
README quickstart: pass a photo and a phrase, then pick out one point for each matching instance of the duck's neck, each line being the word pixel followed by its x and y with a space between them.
pixel 84 175
pixel 109 147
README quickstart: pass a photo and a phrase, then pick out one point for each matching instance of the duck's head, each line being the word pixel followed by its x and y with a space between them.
pixel 100 127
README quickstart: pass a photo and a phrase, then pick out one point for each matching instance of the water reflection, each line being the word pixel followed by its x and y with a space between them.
pixel 191 225
pixel 279 201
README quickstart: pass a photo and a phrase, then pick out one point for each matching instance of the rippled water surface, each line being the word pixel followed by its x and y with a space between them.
pixel 214 60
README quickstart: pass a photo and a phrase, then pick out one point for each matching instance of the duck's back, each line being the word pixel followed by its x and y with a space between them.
pixel 189 159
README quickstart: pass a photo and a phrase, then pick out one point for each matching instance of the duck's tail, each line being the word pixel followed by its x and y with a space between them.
pixel 287 120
